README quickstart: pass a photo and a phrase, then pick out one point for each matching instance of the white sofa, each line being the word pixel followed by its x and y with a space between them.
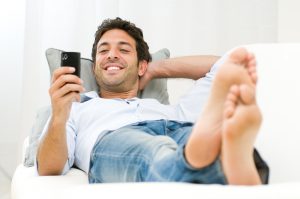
pixel 278 143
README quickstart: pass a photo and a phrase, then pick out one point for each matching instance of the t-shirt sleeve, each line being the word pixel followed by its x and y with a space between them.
pixel 191 105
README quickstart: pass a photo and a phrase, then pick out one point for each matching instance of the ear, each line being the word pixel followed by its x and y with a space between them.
pixel 143 65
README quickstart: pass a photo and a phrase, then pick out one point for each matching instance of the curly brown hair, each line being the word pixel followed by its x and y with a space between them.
pixel 136 33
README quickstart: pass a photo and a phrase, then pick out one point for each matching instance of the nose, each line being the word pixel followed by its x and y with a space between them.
pixel 113 54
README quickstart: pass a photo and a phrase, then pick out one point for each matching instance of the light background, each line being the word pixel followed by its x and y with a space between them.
pixel 186 27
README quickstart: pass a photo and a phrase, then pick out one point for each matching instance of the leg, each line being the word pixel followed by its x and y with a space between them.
pixel 172 165
pixel 240 125
pixel 146 152
pixel 124 155
pixel 204 144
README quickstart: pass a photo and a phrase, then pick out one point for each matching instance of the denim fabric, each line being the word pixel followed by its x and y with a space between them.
pixel 148 151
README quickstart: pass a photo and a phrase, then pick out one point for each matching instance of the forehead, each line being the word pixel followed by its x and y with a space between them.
pixel 116 37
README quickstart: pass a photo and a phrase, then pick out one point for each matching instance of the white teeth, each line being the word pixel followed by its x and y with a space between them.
pixel 113 68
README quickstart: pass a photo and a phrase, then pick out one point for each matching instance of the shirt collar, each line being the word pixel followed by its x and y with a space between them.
pixel 93 94
pixel 88 95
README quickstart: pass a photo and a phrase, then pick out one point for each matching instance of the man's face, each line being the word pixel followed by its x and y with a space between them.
pixel 116 67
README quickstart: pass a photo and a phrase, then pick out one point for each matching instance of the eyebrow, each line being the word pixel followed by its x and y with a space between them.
pixel 119 43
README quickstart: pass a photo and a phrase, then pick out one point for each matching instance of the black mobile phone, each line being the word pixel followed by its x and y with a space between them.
pixel 71 59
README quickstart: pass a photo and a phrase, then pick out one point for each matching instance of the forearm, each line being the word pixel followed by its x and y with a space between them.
pixel 192 67
pixel 53 151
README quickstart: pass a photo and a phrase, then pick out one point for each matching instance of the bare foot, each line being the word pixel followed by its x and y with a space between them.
pixel 240 126
pixel 204 144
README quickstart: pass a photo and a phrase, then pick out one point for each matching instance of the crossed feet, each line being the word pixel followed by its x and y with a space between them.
pixel 230 121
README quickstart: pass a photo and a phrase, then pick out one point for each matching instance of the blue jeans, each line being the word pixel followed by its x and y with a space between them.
pixel 146 152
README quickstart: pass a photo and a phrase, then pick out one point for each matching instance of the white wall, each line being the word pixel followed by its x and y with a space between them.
pixel 12 23
pixel 195 26
pixel 288 21
pixel 185 27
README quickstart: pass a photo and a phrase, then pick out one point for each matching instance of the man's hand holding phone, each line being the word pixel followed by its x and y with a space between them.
pixel 66 87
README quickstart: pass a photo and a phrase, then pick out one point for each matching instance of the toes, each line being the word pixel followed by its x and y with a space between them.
pixel 233 93
pixel 228 112
pixel 252 62
pixel 239 55
pixel 244 94
pixel 247 94
pixel 231 101
pixel 251 67
pixel 250 56
pixel 253 77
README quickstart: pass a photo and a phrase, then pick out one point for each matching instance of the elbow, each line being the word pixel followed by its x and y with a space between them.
pixel 49 166
pixel 49 172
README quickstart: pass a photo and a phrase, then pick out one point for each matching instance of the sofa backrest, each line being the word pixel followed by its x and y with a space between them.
pixel 278 95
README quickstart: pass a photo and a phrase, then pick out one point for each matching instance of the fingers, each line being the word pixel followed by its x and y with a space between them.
pixel 64 83
pixel 61 71
pixel 142 84
pixel 65 90
pixel 147 76
pixel 65 79
pixel 68 98
pixel 62 76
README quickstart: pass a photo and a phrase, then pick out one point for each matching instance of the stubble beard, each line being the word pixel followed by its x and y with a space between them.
pixel 120 84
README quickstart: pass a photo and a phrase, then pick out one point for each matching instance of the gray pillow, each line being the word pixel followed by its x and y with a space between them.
pixel 157 89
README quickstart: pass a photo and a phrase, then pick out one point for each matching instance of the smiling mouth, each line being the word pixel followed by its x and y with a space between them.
pixel 111 68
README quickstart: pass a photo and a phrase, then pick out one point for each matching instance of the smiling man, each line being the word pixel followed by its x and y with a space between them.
pixel 117 69
pixel 206 138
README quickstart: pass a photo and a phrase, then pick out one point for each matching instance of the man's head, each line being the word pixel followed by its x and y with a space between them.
pixel 120 57
pixel 135 32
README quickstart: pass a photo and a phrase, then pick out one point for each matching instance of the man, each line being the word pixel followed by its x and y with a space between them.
pixel 117 137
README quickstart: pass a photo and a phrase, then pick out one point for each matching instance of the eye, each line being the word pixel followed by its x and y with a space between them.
pixel 124 50
pixel 102 51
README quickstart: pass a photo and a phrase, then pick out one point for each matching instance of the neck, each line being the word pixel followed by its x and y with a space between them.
pixel 123 95
pixel 109 94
